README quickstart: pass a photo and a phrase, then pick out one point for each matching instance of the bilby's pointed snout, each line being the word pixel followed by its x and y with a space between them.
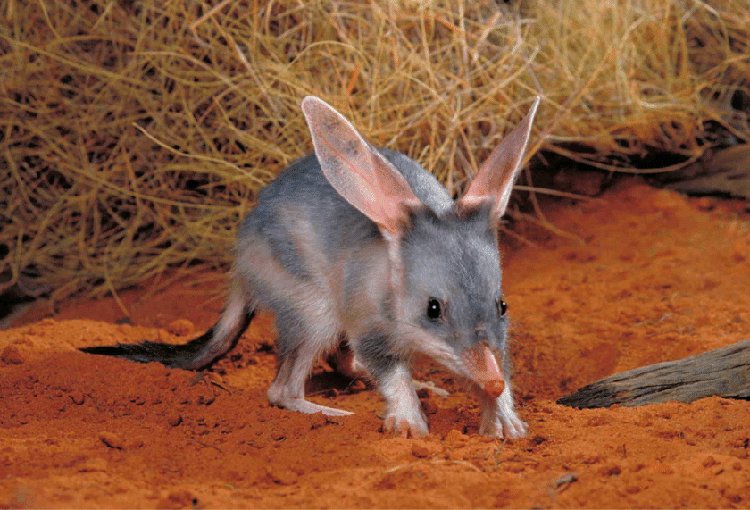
pixel 484 369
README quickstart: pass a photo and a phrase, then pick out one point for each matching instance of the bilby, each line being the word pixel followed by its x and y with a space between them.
pixel 364 246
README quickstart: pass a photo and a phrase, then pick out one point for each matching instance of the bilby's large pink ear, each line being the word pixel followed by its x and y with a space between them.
pixel 357 172
pixel 494 181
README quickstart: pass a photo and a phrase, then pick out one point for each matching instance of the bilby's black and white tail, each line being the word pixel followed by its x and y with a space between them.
pixel 198 353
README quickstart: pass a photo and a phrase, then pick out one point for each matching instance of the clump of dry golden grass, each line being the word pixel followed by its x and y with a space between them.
pixel 135 135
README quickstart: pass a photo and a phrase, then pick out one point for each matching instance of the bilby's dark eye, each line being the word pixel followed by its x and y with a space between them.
pixel 434 311
pixel 502 306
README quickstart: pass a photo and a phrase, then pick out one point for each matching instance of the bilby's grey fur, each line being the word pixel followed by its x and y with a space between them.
pixel 319 252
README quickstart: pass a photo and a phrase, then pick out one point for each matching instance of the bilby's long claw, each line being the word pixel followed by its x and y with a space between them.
pixel 304 406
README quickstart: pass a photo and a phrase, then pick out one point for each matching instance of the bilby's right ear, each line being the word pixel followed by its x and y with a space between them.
pixel 494 181
pixel 362 176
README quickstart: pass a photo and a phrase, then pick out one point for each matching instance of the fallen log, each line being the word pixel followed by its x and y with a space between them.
pixel 722 372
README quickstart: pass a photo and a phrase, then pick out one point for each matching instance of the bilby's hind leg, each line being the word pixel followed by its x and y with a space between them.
pixel 344 361
pixel 299 348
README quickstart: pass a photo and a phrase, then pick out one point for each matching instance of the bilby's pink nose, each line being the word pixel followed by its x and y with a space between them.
pixel 484 370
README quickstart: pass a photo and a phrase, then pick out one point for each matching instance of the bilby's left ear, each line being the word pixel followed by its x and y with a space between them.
pixel 359 173
pixel 494 181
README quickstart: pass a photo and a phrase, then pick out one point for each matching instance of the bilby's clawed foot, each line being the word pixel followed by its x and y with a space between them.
pixel 406 426
pixel 511 427
pixel 514 427
pixel 404 415
pixel 292 398
pixel 499 418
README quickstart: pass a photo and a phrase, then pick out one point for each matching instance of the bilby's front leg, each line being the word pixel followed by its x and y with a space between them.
pixel 499 417
pixel 404 412
pixel 391 372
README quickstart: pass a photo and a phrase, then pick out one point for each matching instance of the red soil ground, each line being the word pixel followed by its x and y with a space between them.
pixel 645 276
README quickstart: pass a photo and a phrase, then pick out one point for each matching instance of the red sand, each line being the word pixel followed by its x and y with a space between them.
pixel 659 277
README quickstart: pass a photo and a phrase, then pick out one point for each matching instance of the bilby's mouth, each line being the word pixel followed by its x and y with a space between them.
pixel 484 369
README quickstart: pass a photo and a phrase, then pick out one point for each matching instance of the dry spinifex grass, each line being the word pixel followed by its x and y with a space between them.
pixel 134 135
